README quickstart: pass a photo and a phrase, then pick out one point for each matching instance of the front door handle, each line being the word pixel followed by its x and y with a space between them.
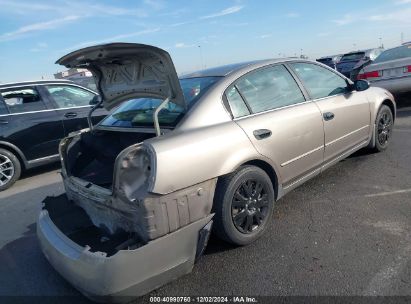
pixel 262 133
pixel 3 122
pixel 70 115
pixel 328 116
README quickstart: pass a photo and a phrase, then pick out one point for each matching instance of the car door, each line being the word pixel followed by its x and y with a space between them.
pixel 73 103
pixel 271 109
pixel 31 124
pixel 346 113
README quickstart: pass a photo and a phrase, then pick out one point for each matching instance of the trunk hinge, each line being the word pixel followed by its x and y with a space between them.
pixel 90 113
pixel 155 115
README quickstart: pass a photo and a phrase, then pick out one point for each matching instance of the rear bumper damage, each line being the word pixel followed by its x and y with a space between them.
pixel 165 234
pixel 128 273
pixel 150 217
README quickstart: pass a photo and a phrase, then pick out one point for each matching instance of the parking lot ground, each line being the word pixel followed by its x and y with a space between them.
pixel 346 232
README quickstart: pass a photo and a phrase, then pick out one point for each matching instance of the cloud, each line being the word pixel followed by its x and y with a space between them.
pixel 66 7
pixel 236 24
pixel 227 11
pixel 92 9
pixel 176 13
pixel 155 4
pixel 293 15
pixel 265 36
pixel 24 7
pixel 111 39
pixel 36 27
pixel 39 47
pixel 399 17
pixel 346 19
pixel 402 2
pixel 323 34
pixel 181 45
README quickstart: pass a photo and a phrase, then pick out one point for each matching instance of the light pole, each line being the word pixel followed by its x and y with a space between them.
pixel 380 42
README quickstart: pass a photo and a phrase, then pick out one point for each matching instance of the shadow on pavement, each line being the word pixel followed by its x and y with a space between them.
pixel 26 272
pixel 40 170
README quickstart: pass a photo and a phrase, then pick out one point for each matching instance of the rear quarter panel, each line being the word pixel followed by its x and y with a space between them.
pixel 185 158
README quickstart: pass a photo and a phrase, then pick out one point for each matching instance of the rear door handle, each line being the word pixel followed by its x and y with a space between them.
pixel 70 115
pixel 328 116
pixel 262 133
pixel 3 122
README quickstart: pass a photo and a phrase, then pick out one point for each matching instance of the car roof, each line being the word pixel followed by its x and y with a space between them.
pixel 330 56
pixel 362 51
pixel 225 70
pixel 34 82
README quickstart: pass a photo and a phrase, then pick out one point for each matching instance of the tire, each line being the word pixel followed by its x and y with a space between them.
pixel 383 128
pixel 10 169
pixel 241 214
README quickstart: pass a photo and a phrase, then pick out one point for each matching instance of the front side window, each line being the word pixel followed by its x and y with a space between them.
pixel 269 88
pixel 320 82
pixel 20 100
pixel 139 112
pixel 69 96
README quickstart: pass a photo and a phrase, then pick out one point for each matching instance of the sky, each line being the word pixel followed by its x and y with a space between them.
pixel 197 33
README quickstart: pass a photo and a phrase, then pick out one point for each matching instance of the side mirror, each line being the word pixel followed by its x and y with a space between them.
pixel 361 85
pixel 96 101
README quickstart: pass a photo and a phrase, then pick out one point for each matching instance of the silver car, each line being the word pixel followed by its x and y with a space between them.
pixel 391 70
pixel 220 146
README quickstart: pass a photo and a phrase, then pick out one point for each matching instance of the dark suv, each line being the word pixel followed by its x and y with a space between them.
pixel 34 117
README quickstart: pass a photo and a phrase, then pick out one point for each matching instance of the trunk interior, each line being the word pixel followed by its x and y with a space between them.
pixel 92 157
pixel 74 222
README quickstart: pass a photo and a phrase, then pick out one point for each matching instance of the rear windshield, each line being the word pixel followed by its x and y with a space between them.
pixel 395 53
pixel 325 60
pixel 139 112
pixel 352 56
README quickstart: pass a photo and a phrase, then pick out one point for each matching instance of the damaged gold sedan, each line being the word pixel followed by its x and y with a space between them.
pixel 144 186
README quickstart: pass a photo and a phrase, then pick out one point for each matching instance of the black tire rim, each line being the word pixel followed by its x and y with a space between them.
pixel 6 169
pixel 384 128
pixel 250 205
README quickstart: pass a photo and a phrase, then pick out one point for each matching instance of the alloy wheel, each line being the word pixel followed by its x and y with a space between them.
pixel 6 169
pixel 249 206
pixel 384 128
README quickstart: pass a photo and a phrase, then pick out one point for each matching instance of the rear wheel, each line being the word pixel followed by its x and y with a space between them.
pixel 383 128
pixel 243 205
pixel 10 169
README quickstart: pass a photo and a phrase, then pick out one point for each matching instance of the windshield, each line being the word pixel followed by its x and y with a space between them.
pixel 139 112
pixel 353 56
pixel 395 53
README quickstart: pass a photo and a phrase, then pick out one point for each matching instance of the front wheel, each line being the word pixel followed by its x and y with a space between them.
pixel 10 169
pixel 243 205
pixel 383 128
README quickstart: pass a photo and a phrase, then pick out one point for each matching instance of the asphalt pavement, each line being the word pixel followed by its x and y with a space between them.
pixel 347 232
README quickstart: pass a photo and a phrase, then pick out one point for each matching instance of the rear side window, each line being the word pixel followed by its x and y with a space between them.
pixel 395 53
pixel 70 96
pixel 237 105
pixel 320 82
pixel 269 88
pixel 21 100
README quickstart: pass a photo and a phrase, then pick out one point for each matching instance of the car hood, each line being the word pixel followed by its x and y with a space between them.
pixel 124 71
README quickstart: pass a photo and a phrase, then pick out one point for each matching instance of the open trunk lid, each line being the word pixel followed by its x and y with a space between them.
pixel 124 71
